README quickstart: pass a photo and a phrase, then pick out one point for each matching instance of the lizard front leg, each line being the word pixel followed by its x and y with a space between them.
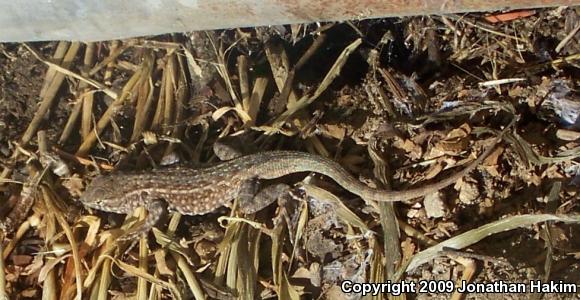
pixel 155 210
pixel 253 199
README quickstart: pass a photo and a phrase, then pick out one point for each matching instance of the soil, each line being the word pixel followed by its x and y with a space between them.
pixel 398 102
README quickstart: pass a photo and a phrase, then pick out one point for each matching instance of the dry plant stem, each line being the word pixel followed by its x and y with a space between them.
pixel 116 50
pixel 72 74
pixel 287 93
pixel 50 95
pixel 171 228
pixel 3 291
pixel 22 229
pixel 564 60
pixel 286 90
pixel 109 114
pixel 376 269
pixel 246 273
pixel 88 99
pixel 233 260
pixel 244 83
pixel 100 264
pixel 254 247
pixel 134 271
pixel 276 254
pixel 318 42
pixel 223 71
pixel 143 262
pixel 181 94
pixel 388 217
pixel 49 286
pixel 57 57
pixel 71 122
pixel 105 278
pixel 48 197
pixel 159 109
pixel 144 98
pixel 144 104
pixel 451 26
pixel 154 293
pixel 246 276
pixel 256 99
pixel 82 161
pixel 225 250
pixel 170 90
pixel 302 222
pixel 84 101
pixel 90 56
pixel 328 79
pixel 53 211
pixel 279 63
pixel 567 39
pixel 189 275
pixel 87 115
pixel 164 105
pixel 94 292
pixel 286 290
pixel 8 169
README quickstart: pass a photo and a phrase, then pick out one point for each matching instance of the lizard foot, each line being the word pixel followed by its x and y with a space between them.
pixel 155 210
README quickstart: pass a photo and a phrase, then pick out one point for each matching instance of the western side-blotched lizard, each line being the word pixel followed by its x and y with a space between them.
pixel 199 191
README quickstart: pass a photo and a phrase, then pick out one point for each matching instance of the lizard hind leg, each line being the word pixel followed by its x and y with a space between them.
pixel 155 210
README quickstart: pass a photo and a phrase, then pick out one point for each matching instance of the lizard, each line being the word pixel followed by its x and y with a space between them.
pixel 197 191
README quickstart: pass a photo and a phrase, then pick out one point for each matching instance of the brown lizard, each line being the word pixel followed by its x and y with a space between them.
pixel 199 191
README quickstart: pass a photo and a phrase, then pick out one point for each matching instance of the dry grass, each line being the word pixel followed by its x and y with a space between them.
pixel 148 102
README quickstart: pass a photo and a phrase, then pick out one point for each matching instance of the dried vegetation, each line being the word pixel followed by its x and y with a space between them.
pixel 396 101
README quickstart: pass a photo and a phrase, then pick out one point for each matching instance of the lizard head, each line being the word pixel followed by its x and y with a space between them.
pixel 103 193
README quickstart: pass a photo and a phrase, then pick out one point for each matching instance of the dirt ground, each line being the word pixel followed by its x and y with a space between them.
pixel 399 103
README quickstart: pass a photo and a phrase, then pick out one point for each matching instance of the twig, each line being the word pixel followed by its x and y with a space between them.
pixel 568 37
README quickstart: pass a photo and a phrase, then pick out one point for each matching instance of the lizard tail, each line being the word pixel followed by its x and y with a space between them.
pixel 281 163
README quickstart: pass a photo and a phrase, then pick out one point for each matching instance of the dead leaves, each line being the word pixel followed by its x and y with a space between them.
pixel 146 102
